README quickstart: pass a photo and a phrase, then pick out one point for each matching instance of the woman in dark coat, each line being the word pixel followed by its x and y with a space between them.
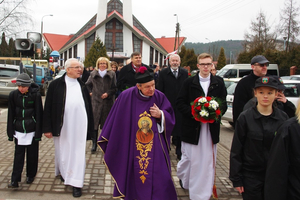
pixel 102 87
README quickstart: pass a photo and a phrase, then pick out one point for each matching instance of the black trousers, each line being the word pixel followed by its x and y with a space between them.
pixel 253 188
pixel 32 156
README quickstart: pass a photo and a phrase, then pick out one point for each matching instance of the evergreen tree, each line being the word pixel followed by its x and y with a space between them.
pixel 190 59
pixel 3 46
pixel 97 50
pixel 12 51
pixel 221 59
pixel 182 52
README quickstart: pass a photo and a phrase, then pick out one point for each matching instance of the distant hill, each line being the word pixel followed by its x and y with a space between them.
pixel 235 46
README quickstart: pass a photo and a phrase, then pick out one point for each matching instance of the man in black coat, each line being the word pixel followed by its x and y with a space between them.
pixel 126 77
pixel 244 89
pixel 169 84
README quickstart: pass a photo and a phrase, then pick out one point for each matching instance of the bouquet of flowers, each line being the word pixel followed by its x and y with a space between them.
pixel 206 109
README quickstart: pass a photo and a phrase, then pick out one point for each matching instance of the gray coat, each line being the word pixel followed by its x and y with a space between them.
pixel 98 86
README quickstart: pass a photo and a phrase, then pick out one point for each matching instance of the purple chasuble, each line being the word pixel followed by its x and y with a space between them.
pixel 136 155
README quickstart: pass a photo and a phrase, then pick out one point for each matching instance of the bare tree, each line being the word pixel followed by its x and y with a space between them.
pixel 260 35
pixel 14 17
pixel 289 26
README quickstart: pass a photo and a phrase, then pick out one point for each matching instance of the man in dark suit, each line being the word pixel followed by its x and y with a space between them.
pixel 169 82
pixel 126 77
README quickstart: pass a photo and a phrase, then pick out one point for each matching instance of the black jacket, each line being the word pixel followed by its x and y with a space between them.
pixel 288 107
pixel 126 77
pixel 251 144
pixel 283 174
pixel 25 112
pixel 55 104
pixel 242 94
pixel 190 90
pixel 170 86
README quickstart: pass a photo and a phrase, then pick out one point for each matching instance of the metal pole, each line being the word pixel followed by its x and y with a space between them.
pixel 42 46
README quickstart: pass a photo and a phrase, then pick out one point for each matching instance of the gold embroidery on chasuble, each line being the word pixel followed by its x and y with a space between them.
pixel 144 143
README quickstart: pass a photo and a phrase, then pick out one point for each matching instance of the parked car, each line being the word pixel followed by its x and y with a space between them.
pixel 292 93
pixel 241 70
pixel 43 77
pixel 229 81
pixel 229 99
pixel 295 77
pixel 60 73
pixel 8 76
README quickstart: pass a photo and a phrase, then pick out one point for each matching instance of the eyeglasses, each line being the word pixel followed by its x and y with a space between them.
pixel 205 64
pixel 262 65
pixel 77 67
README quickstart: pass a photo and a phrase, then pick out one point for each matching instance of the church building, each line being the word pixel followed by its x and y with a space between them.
pixel 119 30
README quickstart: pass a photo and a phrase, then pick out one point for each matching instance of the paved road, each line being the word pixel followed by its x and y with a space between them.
pixel 98 183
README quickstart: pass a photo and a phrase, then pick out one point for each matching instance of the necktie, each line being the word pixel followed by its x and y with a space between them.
pixel 175 73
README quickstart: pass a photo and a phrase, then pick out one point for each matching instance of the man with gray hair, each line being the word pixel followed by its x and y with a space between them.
pixel 169 83
pixel 68 118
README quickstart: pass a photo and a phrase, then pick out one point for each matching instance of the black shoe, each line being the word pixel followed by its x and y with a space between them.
pixel 29 180
pixel 13 185
pixel 77 192
pixel 94 147
pixel 180 183
pixel 62 179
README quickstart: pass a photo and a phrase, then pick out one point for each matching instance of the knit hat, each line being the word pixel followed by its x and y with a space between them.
pixel 143 75
pixel 23 80
pixel 266 81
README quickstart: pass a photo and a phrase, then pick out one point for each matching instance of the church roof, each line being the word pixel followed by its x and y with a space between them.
pixel 56 41
pixel 168 43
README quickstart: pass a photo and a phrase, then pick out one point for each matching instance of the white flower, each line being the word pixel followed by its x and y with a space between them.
pixel 213 106
pixel 202 100
pixel 214 103
pixel 204 113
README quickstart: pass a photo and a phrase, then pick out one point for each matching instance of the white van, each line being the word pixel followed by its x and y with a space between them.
pixel 240 70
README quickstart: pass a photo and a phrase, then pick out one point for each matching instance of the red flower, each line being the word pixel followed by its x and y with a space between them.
pixel 193 111
pixel 206 105
pixel 198 108
pixel 208 98
pixel 142 69
pixel 196 100
pixel 218 112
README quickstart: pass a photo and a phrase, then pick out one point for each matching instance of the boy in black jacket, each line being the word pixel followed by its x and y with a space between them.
pixel 24 123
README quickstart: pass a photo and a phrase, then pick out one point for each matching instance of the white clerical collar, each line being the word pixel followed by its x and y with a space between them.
pixel 143 94
pixel 67 78
pixel 204 79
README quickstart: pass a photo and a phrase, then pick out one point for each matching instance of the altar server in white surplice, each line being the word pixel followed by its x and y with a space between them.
pixel 68 119
pixel 196 169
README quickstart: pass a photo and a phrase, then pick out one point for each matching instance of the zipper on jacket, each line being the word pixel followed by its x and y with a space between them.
pixel 23 115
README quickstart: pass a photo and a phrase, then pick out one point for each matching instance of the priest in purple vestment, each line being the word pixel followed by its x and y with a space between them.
pixel 135 140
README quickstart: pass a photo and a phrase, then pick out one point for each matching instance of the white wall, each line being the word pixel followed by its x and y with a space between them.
pixel 146 53
pixel 81 50
pixel 100 32
pixel 127 41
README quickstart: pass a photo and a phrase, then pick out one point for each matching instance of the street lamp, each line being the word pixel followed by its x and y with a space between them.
pixel 42 46
pixel 209 44
pixel 284 39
